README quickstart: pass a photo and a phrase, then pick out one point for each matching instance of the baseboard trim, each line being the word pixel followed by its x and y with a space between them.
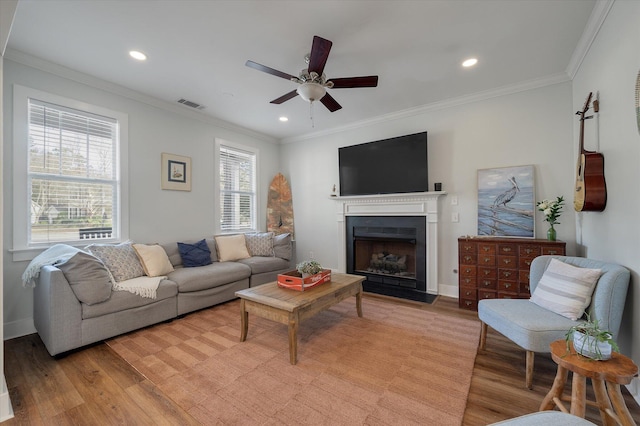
pixel 18 328
pixel 448 290
pixel 6 410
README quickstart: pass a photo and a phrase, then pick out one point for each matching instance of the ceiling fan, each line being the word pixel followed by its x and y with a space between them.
pixel 312 80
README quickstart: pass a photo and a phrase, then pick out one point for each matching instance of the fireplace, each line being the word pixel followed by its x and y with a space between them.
pixel 390 252
pixel 420 207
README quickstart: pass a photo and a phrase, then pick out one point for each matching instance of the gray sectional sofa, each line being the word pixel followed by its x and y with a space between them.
pixel 65 323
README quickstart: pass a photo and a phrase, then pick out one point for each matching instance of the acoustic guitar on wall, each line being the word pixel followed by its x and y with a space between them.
pixel 591 188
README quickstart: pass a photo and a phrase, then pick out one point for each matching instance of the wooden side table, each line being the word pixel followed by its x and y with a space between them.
pixel 606 378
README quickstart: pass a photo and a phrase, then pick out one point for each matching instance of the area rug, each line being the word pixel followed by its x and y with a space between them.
pixel 398 365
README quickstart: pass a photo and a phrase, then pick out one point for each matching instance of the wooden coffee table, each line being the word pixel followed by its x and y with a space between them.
pixel 290 306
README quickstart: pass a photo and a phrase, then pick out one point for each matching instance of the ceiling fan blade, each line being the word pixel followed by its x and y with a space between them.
pixel 271 71
pixel 331 104
pixel 284 98
pixel 319 54
pixel 349 82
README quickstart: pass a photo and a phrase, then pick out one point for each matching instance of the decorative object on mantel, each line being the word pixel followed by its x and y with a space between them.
pixel 175 172
pixel 552 211
pixel 591 341
pixel 506 202
pixel 333 191
pixel 591 189
pixel 437 186
pixel 280 207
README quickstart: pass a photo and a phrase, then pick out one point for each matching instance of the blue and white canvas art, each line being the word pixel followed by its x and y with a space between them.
pixel 506 202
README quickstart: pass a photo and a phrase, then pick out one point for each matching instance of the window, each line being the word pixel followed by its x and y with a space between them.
pixel 67 163
pixel 237 187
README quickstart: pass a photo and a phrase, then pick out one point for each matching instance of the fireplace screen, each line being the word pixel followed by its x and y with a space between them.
pixel 385 257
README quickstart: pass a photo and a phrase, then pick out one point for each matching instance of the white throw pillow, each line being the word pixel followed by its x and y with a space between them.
pixel 154 259
pixel 566 289
pixel 231 247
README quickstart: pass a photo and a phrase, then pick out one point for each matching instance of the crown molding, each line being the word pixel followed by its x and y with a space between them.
pixel 86 79
pixel 596 19
pixel 440 105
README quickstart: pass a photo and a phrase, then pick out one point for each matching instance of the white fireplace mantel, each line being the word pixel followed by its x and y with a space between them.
pixel 409 204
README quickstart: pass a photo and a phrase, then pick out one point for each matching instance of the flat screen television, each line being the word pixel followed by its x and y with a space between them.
pixel 389 166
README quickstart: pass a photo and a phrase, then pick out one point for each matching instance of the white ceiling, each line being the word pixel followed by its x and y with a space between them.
pixel 197 50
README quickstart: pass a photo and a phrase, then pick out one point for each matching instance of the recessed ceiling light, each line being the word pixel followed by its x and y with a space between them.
pixel 284 118
pixel 138 55
pixel 470 62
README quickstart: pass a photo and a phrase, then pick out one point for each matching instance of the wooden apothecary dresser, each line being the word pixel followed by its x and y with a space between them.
pixel 491 267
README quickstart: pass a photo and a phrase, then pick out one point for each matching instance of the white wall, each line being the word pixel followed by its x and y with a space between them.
pixel 528 127
pixel 155 215
pixel 611 68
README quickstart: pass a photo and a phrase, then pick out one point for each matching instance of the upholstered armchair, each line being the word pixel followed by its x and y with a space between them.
pixel 533 327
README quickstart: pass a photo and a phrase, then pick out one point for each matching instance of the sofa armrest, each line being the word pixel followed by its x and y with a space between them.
pixel 57 313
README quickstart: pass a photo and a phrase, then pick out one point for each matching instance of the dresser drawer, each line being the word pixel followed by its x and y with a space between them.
pixel 468 259
pixel 529 251
pixel 467 270
pixel 508 286
pixel 508 261
pixel 507 249
pixel 467 248
pixel 486 259
pixel 525 262
pixel 468 304
pixel 468 293
pixel 553 251
pixel 467 282
pixel 486 294
pixel 487 248
pixel 487 284
pixel 486 273
pixel 508 275
pixel 507 295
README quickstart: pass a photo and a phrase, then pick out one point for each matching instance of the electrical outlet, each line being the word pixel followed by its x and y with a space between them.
pixel 311 255
pixel 454 200
pixel 455 217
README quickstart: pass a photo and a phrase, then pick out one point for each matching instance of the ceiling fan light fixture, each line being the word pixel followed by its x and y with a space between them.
pixel 311 91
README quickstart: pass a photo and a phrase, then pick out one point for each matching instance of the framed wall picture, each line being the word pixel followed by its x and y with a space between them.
pixel 506 202
pixel 175 172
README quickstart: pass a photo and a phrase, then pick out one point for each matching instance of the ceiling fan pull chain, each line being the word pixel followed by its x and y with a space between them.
pixel 313 125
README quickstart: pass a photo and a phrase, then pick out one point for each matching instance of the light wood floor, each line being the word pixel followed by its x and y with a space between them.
pixel 95 386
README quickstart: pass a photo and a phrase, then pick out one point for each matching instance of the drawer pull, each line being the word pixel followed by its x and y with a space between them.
pixel 553 252
pixel 486 283
pixel 507 285
pixel 467 280
pixel 487 272
pixel 468 293
pixel 528 262
pixel 487 259
pixel 485 248
pixel 506 261
pixel 466 271
pixel 528 251
pixel 506 274
pixel 507 249
pixel 467 258
pixel 468 303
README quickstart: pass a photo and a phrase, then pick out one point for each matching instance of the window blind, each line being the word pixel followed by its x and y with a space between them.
pixel 237 189
pixel 72 172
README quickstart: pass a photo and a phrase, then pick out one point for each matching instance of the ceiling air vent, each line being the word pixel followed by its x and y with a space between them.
pixel 191 104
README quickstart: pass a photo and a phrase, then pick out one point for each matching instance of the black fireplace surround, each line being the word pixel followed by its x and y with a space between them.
pixel 391 252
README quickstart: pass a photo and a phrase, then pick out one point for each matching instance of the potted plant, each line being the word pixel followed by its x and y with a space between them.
pixel 591 341
pixel 308 268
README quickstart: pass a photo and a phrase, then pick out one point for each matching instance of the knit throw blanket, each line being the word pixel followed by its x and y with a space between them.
pixel 142 286
pixel 54 255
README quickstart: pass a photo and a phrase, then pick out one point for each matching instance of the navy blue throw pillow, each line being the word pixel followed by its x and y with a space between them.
pixel 197 254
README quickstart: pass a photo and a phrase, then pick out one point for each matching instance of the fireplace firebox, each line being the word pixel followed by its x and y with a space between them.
pixel 391 252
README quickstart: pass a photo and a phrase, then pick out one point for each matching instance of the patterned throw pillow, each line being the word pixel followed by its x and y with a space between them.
pixel 121 260
pixel 566 289
pixel 260 243
pixel 193 255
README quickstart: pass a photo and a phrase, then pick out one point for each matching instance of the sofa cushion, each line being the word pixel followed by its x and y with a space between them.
pixel 209 276
pixel 174 253
pixel 120 259
pixel 260 243
pixel 260 265
pixel 282 246
pixel 231 247
pixel 193 255
pixel 154 259
pixel 122 300
pixel 565 289
pixel 88 277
